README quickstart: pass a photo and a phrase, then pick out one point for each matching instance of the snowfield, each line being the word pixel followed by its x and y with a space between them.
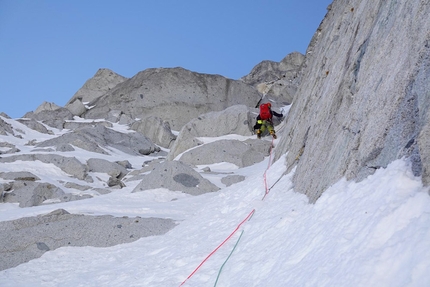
pixel 372 233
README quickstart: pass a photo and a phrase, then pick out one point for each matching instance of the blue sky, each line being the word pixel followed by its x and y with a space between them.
pixel 49 48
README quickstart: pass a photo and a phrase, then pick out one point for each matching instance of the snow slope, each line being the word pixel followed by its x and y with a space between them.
pixel 372 233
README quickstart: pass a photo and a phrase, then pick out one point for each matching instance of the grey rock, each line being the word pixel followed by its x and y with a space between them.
pixel 125 120
pixel 29 193
pixel 277 81
pixel 54 118
pixel 176 95
pixel 232 179
pixel 19 175
pixel 11 148
pixel 73 185
pixel 125 163
pixel 76 107
pixel 115 182
pixel 69 165
pixel 104 166
pixel 4 115
pixel 99 138
pixel 424 151
pixel 233 120
pixel 176 176
pixel 64 148
pixel 28 238
pixel 114 116
pixel 46 106
pixel 232 151
pixel 364 98
pixel 103 81
pixel 5 128
pixel 74 125
pixel 146 167
pixel 156 129
pixel 35 125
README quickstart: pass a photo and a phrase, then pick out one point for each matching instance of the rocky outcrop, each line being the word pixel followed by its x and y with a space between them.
pixel 35 125
pixel 234 120
pixel 364 98
pixel 103 81
pixel 97 138
pixel 69 165
pixel 176 176
pixel 29 193
pixel 239 153
pixel 156 129
pixel 46 106
pixel 60 228
pixel 175 95
pixel 55 118
pixel 277 81
pixel 5 128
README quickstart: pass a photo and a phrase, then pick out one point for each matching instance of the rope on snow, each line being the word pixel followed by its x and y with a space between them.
pixel 222 266
pixel 219 246
pixel 267 189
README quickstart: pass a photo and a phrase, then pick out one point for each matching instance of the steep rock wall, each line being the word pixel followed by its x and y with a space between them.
pixel 365 95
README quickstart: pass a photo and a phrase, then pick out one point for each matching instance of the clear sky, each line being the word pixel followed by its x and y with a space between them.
pixel 49 48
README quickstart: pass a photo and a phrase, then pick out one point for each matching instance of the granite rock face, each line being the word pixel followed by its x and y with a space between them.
pixel 365 95
pixel 103 81
pixel 175 95
pixel 277 81
pixel 233 120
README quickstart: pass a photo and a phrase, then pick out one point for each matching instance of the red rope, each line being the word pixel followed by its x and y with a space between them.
pixel 215 250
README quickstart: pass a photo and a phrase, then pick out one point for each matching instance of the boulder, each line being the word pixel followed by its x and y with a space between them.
pixel 176 176
pixel 156 129
pixel 113 169
pixel 175 95
pixel 99 139
pixel 27 238
pixel 233 120
pixel 76 107
pixel 74 125
pixel 5 128
pixel 233 151
pixel 232 179
pixel 19 175
pixel 69 165
pixel 35 125
pixel 29 193
pixel 10 148
pixel 55 118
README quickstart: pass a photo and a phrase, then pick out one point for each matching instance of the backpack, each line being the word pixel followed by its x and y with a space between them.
pixel 265 113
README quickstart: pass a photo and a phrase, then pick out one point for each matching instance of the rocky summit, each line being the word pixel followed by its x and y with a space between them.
pixel 358 100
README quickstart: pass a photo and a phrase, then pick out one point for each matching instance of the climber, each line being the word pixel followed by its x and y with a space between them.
pixel 264 120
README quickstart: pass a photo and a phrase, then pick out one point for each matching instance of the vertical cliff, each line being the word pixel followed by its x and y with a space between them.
pixel 365 95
